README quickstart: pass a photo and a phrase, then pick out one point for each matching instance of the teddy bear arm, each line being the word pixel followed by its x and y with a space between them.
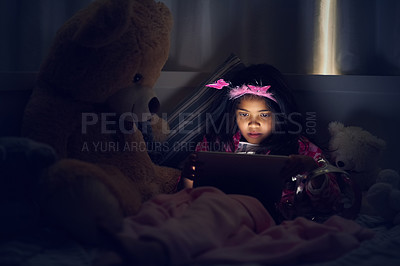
pixel 46 121
pixel 167 178
pixel 123 188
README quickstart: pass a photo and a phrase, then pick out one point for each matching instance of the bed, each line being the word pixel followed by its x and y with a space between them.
pixel 49 246
pixel 369 102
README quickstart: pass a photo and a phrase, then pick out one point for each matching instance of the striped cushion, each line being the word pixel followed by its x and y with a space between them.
pixel 188 120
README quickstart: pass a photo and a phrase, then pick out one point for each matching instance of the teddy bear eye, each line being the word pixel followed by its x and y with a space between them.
pixel 137 78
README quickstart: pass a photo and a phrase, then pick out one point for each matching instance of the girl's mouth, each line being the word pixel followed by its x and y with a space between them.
pixel 254 135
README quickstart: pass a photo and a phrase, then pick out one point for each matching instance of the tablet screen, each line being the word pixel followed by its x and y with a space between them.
pixel 249 174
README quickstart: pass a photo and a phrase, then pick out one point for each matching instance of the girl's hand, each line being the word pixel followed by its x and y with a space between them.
pixel 298 164
pixel 191 169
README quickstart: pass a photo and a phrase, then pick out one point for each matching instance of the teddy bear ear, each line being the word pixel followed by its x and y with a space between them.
pixel 335 127
pixel 377 143
pixel 105 22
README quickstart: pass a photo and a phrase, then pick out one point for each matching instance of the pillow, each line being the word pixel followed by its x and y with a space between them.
pixel 188 121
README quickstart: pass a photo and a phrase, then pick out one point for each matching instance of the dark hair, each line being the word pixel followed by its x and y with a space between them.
pixel 288 121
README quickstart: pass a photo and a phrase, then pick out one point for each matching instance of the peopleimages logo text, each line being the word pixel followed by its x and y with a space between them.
pixel 111 123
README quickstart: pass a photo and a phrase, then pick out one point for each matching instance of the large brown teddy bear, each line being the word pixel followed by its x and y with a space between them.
pixel 94 86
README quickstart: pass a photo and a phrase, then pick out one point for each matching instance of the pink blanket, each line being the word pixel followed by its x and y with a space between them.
pixel 204 225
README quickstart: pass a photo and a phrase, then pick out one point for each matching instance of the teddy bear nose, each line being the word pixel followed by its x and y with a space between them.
pixel 340 164
pixel 154 105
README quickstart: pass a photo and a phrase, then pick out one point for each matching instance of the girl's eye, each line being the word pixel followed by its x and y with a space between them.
pixel 265 115
pixel 138 77
pixel 243 114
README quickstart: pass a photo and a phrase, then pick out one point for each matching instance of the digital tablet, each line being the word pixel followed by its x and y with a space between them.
pixel 248 174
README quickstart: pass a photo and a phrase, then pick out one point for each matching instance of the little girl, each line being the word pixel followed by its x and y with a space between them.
pixel 261 117
pixel 205 226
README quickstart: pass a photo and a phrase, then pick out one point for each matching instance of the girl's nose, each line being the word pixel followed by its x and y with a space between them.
pixel 254 122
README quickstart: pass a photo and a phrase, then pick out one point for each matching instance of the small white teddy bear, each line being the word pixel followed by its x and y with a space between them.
pixel 356 151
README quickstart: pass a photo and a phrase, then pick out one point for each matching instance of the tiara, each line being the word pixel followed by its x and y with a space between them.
pixel 239 91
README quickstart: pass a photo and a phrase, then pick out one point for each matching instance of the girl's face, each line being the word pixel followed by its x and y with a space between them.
pixel 254 119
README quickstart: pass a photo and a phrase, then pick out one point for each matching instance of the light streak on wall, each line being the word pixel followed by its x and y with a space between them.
pixel 325 46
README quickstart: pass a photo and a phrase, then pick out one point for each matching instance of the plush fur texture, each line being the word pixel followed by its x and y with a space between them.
pixel 78 196
pixel 356 151
pixel 384 196
pixel 96 81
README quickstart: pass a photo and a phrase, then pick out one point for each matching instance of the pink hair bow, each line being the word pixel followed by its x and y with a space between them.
pixel 218 85
pixel 237 92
